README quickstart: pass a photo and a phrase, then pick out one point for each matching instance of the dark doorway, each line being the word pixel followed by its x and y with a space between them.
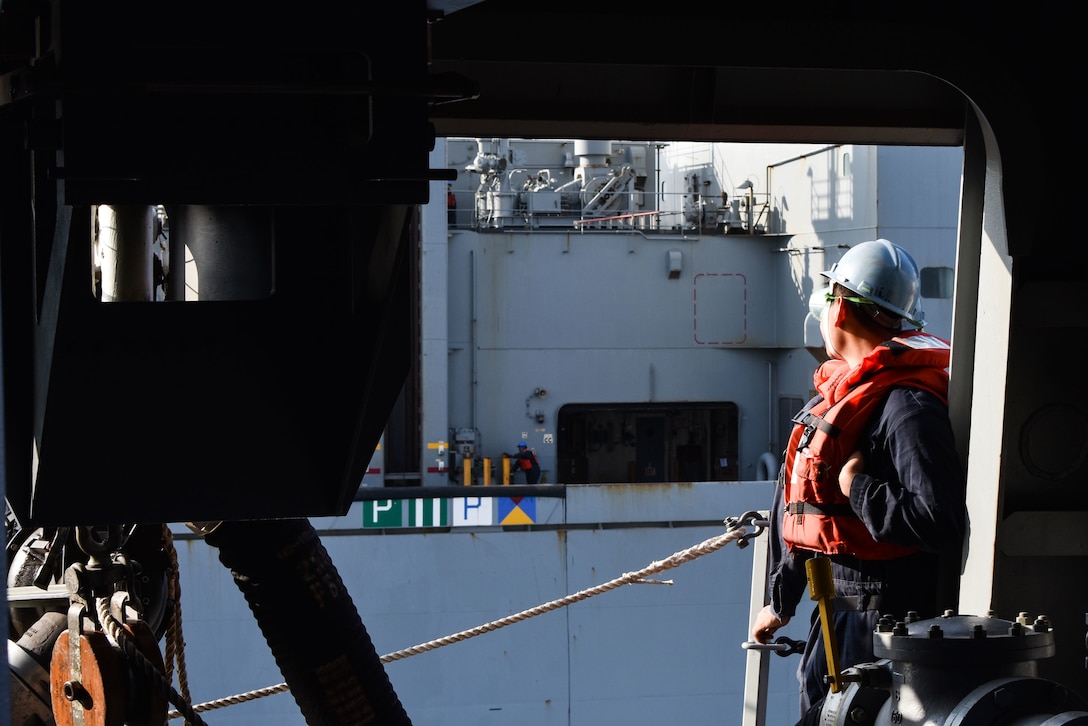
pixel 647 442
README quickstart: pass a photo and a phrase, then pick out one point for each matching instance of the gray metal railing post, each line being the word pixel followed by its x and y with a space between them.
pixel 757 663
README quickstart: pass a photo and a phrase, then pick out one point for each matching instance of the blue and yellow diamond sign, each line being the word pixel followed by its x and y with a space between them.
pixel 517 510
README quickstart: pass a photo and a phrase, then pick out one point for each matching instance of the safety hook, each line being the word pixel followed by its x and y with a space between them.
pixel 96 541
pixel 748 519
pixel 789 646
pixel 782 646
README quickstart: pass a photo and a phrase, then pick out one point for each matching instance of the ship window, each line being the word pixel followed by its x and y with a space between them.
pixel 936 282
pixel 647 442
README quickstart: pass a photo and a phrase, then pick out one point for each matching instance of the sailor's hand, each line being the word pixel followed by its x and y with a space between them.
pixel 766 624
pixel 854 465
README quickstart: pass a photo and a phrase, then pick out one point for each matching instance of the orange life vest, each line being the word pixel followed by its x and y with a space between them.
pixel 818 516
pixel 527 462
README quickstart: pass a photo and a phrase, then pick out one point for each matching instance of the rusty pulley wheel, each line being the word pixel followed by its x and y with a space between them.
pixel 109 690
pixel 97 687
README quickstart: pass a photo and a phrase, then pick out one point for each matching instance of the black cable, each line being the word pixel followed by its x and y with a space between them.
pixel 310 622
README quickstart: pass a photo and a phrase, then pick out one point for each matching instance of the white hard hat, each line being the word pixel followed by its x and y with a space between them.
pixel 884 273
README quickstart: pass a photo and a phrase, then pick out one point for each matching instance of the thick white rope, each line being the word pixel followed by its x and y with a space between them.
pixel 120 639
pixel 638 577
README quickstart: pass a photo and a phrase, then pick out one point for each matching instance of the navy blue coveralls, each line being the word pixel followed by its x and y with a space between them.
pixel 912 493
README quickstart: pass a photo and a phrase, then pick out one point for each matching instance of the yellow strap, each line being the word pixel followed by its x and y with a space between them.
pixel 821 588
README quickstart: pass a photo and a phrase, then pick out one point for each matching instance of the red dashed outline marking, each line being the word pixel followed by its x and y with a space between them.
pixel 695 309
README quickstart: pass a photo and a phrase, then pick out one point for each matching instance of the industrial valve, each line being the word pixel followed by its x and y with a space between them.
pixel 955 670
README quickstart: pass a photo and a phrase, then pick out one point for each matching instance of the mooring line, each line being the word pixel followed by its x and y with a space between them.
pixel 637 577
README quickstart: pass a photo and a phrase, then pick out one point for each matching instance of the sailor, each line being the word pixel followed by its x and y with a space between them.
pixel 526 461
pixel 870 478
pixel 451 205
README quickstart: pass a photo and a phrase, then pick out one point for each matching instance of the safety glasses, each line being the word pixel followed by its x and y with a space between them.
pixel 828 297
pixel 818 302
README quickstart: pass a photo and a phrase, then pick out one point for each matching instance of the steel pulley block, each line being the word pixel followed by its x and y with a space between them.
pixel 147 703
pixel 103 688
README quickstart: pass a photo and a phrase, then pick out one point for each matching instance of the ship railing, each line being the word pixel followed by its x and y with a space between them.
pixel 548 210
pixel 634 220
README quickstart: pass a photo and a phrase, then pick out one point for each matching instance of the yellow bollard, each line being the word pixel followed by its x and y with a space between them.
pixel 821 588
pixel 505 469
pixel 487 472
pixel 468 471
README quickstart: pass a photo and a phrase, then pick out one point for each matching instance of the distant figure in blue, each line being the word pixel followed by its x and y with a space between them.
pixel 526 461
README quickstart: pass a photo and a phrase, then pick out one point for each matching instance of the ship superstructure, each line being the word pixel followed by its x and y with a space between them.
pixel 638 312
